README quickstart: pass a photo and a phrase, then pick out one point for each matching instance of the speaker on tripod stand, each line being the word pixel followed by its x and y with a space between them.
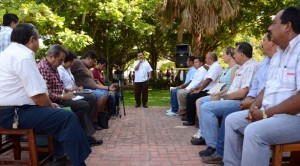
pixel 182 54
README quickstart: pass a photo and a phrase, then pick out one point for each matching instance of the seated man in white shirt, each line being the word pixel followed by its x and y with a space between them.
pixel 198 77
pixel 188 102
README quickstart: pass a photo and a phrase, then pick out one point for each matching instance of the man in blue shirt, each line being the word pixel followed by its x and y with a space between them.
pixel 10 21
pixel 188 79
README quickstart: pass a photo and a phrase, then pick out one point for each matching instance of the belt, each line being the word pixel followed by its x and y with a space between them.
pixel 7 107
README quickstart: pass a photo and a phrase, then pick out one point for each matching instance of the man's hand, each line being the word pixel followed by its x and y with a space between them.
pixel 196 91
pixel 68 96
pixel 215 98
pixel 76 88
pixel 254 114
pixel 112 87
pixel 54 105
pixel 257 115
pixel 245 104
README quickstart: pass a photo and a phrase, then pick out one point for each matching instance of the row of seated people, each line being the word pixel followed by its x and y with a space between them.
pixel 257 105
pixel 28 100
pixel 62 87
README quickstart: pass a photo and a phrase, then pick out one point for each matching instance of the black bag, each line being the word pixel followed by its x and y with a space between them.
pixel 102 119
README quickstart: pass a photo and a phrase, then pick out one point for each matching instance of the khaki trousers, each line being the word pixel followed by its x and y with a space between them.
pixel 181 98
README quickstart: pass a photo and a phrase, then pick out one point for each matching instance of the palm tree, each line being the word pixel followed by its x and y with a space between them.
pixel 199 17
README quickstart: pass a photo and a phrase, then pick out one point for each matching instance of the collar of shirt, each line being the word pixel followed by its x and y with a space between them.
pixel 249 61
pixel 24 48
pixel 292 43
pixel 48 65
pixel 6 29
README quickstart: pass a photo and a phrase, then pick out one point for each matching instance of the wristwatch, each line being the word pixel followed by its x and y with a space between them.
pixel 265 116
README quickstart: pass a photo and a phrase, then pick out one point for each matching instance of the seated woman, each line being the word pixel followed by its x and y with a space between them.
pixel 226 77
pixel 99 77
pixel 68 80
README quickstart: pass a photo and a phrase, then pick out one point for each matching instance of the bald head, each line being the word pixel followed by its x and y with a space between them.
pixel 210 58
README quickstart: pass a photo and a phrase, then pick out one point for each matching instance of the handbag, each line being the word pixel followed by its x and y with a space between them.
pixel 217 88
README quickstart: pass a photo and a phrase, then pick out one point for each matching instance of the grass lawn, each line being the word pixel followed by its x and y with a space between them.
pixel 155 97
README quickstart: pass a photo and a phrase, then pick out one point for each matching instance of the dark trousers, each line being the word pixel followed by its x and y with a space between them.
pixel 191 104
pixel 62 125
pixel 85 111
pixel 141 90
pixel 113 102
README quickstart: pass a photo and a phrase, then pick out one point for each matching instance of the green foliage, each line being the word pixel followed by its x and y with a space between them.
pixel 159 83
pixel 155 98
pixel 51 26
pixel 166 66
pixel 72 40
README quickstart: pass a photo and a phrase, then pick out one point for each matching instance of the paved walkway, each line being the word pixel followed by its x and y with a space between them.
pixel 146 137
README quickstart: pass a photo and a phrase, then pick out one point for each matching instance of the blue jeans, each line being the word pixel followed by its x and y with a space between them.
pixel 209 113
pixel 99 92
pixel 174 102
pixel 113 102
pixel 62 125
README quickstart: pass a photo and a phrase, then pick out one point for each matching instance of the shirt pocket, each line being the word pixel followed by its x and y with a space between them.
pixel 289 78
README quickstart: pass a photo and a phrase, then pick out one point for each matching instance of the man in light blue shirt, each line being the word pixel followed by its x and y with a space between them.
pixel 257 83
pixel 10 21
pixel 188 79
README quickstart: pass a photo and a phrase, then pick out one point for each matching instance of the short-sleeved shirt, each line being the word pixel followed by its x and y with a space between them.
pixel 5 34
pixel 20 78
pixel 243 76
pixel 54 84
pixel 284 75
pixel 198 77
pixel 97 75
pixel 141 75
pixel 213 73
pixel 260 77
pixel 66 76
pixel 190 74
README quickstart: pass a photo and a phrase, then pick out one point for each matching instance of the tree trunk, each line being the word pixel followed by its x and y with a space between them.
pixel 196 44
pixel 153 62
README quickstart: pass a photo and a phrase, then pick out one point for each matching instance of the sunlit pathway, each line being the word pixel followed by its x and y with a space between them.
pixel 146 136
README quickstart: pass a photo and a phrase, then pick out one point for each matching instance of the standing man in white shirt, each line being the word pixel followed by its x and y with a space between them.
pixel 10 21
pixel 142 74
pixel 274 117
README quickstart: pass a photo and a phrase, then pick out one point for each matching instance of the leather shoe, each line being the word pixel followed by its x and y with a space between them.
pixel 207 152
pixel 94 142
pixel 63 161
pixel 97 127
pixel 184 118
pixel 145 106
pixel 138 105
pixel 212 159
pixel 198 141
pixel 188 123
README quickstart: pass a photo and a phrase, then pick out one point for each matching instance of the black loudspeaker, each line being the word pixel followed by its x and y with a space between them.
pixel 182 54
